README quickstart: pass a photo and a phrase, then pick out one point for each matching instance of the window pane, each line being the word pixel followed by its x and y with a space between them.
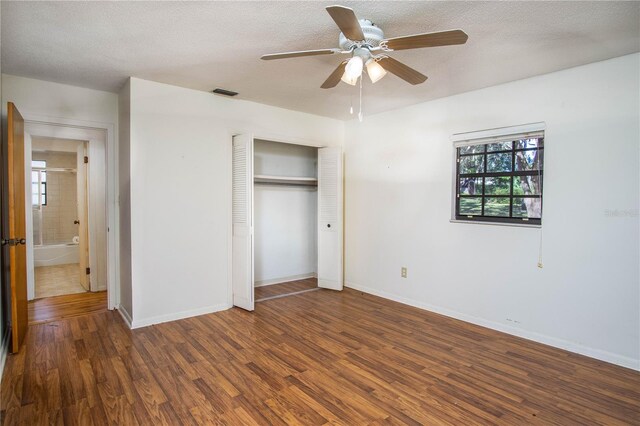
pixel 34 188
pixel 500 146
pixel 470 206
pixel 473 149
pixel 528 160
pixel 44 176
pixel 472 164
pixel 34 199
pixel 470 186
pixel 34 177
pixel 496 207
pixel 498 186
pixel 39 163
pixel 44 199
pixel 499 162
pixel 527 207
pixel 526 185
pixel 528 143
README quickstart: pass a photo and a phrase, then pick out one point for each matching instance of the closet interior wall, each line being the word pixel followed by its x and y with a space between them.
pixel 285 213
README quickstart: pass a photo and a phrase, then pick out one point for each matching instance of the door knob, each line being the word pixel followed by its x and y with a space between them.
pixel 76 222
pixel 328 225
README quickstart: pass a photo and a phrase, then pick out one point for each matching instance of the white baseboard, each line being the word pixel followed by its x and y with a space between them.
pixel 525 334
pixel 284 279
pixel 125 315
pixel 4 351
pixel 179 315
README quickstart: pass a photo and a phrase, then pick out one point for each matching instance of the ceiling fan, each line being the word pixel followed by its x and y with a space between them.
pixel 365 42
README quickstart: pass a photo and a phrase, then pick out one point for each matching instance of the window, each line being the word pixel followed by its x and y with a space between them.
pixel 499 179
pixel 38 183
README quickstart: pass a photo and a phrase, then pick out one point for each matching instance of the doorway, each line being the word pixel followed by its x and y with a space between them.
pixel 67 254
pixel 59 194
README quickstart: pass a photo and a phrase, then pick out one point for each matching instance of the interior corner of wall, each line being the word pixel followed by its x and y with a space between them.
pixel 126 316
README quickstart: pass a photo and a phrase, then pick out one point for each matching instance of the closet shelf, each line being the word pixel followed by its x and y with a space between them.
pixel 286 180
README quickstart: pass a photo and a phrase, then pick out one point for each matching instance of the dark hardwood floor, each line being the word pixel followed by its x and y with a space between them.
pixel 68 305
pixel 315 358
pixel 279 290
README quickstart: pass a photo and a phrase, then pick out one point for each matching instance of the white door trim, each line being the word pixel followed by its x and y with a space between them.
pixel 72 129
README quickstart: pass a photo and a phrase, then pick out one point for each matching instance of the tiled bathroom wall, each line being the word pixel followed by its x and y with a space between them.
pixel 61 209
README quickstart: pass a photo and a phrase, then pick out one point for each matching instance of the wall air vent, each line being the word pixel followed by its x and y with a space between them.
pixel 224 92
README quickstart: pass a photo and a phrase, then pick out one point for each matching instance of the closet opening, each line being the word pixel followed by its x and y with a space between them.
pixel 285 219
pixel 287 224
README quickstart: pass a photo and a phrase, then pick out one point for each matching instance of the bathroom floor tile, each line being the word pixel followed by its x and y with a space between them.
pixel 58 280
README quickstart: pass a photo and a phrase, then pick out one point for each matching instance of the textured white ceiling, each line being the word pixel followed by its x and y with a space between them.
pixel 218 44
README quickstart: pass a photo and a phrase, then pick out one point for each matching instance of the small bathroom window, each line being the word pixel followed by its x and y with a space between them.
pixel 38 183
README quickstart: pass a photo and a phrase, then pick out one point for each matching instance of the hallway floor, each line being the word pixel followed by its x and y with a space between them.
pixel 69 305
pixel 57 280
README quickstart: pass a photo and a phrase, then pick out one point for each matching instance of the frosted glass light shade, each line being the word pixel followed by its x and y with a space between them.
pixel 375 70
pixel 353 70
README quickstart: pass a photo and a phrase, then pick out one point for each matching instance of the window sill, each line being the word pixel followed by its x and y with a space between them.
pixel 477 222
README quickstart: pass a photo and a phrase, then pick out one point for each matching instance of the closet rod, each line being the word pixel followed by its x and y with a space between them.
pixel 53 169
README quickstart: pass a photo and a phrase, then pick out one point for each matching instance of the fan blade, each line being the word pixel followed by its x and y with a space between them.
pixel 335 77
pixel 347 22
pixel 443 38
pixel 300 53
pixel 403 71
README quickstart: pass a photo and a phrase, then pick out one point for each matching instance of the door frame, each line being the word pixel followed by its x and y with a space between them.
pixel 264 137
pixel 75 129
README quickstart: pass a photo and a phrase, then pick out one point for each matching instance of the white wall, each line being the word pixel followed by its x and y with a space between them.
pixel 4 284
pixel 39 97
pixel 124 198
pixel 398 206
pixel 285 217
pixel 181 192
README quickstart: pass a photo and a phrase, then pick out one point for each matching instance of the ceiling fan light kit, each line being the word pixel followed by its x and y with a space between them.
pixel 365 43
pixel 375 70
pixel 353 70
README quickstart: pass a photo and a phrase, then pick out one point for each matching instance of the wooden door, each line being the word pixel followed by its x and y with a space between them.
pixel 330 233
pixel 83 216
pixel 16 236
pixel 242 219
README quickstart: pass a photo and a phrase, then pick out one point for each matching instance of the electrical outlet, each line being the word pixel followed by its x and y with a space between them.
pixel 403 272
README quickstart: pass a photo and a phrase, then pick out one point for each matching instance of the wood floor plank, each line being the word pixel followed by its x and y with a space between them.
pixel 323 357
pixel 59 307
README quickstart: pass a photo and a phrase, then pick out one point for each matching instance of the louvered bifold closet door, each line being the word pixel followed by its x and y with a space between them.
pixel 330 232
pixel 242 219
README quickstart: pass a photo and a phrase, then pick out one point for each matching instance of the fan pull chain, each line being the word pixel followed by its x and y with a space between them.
pixel 360 113
pixel 351 108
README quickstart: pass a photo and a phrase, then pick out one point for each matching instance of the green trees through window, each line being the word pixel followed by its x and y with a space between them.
pixel 500 181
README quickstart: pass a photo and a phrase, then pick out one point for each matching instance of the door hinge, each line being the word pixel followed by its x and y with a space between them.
pixel 86 159
pixel 88 271
pixel 13 241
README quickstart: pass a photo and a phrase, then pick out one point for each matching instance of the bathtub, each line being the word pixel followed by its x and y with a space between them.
pixel 57 254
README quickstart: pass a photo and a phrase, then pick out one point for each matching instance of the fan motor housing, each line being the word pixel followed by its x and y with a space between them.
pixel 373 35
